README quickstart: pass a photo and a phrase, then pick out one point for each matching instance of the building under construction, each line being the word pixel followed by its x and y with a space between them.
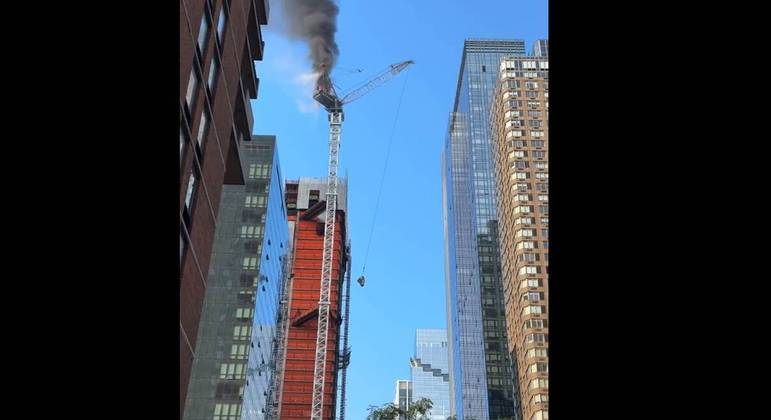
pixel 305 203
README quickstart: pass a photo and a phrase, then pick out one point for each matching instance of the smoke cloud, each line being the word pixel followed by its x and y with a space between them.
pixel 314 21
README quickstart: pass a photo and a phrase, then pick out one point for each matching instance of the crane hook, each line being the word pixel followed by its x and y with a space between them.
pixel 361 280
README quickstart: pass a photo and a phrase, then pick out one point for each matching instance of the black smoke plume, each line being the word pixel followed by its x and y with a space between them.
pixel 315 21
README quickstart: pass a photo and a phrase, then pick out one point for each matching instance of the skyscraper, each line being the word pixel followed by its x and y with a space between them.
pixel 431 371
pixel 219 40
pixel 482 378
pixel 306 212
pixel 540 48
pixel 233 365
pixel 403 395
pixel 520 133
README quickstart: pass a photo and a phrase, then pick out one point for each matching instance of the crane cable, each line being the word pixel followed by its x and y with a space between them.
pixel 385 166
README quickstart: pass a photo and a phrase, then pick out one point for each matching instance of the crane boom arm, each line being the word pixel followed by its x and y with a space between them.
pixel 383 77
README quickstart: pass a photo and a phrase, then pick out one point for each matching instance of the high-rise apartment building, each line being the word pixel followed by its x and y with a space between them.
pixel 520 120
pixel 219 40
pixel 482 377
pixel 306 205
pixel 430 370
pixel 403 395
pixel 233 365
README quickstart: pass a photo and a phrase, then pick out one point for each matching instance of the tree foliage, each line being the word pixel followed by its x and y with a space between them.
pixel 418 410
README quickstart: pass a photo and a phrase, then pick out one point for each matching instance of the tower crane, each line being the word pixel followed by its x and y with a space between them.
pixel 325 95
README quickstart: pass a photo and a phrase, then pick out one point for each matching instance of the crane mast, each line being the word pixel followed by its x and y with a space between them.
pixel 326 96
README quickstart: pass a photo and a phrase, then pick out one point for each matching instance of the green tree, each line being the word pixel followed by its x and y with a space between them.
pixel 419 410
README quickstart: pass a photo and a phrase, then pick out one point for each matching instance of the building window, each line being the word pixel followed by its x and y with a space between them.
pixel 538 367
pixel 244 313
pixel 227 412
pixel 543 209
pixel 537 143
pixel 528 257
pixel 524 232
pixel 221 25
pixel 192 88
pixel 534 133
pixel 253 201
pixel 182 142
pixel 242 332
pixel 528 310
pixel 534 323
pixel 239 351
pixel 250 263
pixel 541 165
pixel 542 175
pixel 537 352
pixel 192 186
pixel 259 170
pixel 521 186
pixel 521 175
pixel 513 104
pixel 541 414
pixel 232 371
pixel 213 71
pixel 251 232
pixel 523 209
pixel 540 398
pixel 203 127
pixel 536 338
pixel 530 283
pixel 203 32
pixel 542 197
pixel 533 296
pixel 526 245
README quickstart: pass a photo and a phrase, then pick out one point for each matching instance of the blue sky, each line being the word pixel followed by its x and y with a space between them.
pixel 405 267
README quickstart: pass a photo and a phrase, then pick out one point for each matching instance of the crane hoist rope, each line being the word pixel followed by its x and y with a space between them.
pixel 382 177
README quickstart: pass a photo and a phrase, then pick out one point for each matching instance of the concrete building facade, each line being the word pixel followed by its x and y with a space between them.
pixel 520 129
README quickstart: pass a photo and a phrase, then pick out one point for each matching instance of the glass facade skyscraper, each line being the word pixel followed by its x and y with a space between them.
pixel 540 48
pixel 482 377
pixel 233 365
pixel 430 371
pixel 403 395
